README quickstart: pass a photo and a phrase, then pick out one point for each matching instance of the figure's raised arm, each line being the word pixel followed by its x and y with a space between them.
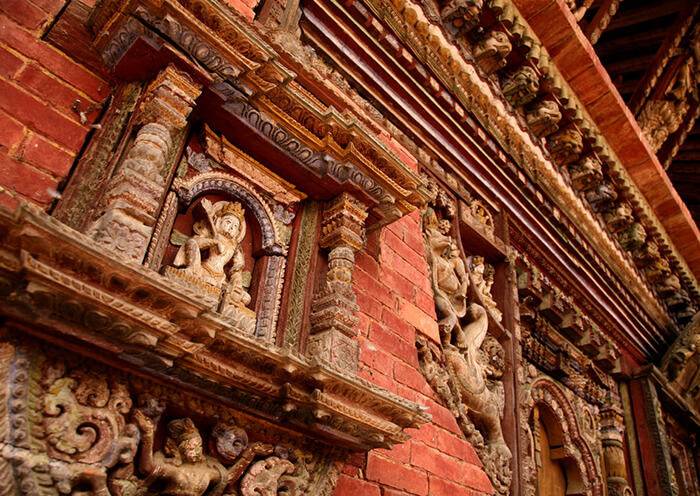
pixel 147 427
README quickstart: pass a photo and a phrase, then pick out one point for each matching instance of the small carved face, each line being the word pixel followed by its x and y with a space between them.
pixel 191 448
pixel 230 226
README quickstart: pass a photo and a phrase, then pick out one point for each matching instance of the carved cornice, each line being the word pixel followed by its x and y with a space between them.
pixel 49 271
pixel 481 96
pixel 258 86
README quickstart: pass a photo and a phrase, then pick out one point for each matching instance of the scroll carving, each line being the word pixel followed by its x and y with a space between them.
pixel 75 428
pixel 466 369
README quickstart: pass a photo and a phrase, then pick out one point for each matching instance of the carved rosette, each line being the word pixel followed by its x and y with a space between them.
pixel 126 219
pixel 334 310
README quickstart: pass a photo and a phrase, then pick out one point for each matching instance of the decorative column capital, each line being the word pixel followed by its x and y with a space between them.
pixel 343 223
pixel 334 310
pixel 169 99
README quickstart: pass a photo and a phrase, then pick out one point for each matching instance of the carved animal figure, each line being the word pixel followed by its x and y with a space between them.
pixel 491 52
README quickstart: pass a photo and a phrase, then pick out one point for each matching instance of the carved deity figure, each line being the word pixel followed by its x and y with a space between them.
pixel 466 371
pixel 482 275
pixel 182 468
pixel 585 173
pixel 449 274
pixel 216 242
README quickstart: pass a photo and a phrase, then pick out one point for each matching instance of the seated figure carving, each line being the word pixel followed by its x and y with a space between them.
pixel 203 258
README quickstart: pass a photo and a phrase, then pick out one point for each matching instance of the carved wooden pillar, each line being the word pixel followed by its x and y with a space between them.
pixel 612 431
pixel 131 204
pixel 334 310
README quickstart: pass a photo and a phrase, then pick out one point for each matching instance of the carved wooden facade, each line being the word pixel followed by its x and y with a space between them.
pixel 187 319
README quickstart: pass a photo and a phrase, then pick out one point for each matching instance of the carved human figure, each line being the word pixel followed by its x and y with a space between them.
pixel 450 280
pixel 215 244
pixel 182 468
pixel 521 86
pixel 482 276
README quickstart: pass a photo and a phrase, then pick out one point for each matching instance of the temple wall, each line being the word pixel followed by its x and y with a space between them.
pixel 48 103
pixel 396 302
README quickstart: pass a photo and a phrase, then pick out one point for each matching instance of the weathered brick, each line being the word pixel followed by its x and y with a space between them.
pixel 24 13
pixel 392 343
pixel 410 377
pixel 397 325
pixel 426 302
pixel 411 480
pixel 25 180
pixel 442 416
pixel 425 323
pixel 45 155
pixel 14 36
pixel 368 304
pixel 377 359
pixel 40 117
pixel 399 453
pixel 33 79
pixel 415 259
pixel 9 63
pixel 11 132
pixel 398 283
pixel 348 486
pixel 7 201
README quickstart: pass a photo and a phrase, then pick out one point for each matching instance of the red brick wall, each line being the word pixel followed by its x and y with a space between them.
pixel 40 134
pixel 395 298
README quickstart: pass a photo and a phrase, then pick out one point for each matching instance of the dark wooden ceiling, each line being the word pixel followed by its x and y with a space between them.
pixel 632 48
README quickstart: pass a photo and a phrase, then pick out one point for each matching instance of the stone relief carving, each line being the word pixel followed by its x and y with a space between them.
pixel 465 370
pixel 74 428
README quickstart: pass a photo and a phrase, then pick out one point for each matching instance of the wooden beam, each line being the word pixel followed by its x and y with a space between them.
pixel 624 43
pixel 632 64
pixel 648 13
pixel 681 28
pixel 601 19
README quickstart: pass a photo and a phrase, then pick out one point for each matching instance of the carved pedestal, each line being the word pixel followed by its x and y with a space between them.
pixel 133 196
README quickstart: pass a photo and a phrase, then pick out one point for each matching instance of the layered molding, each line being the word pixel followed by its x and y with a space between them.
pixel 59 282
pixel 248 80
pixel 479 94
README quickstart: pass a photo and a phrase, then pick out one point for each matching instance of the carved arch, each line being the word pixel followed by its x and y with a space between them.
pixel 217 182
pixel 549 397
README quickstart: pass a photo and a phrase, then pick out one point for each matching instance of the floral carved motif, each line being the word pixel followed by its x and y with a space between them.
pixel 78 428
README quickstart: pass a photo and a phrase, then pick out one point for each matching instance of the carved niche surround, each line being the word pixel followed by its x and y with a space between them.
pixel 118 302
pixel 468 368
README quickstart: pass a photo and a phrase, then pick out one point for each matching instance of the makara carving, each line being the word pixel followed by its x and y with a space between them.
pixel 75 428
pixel 465 370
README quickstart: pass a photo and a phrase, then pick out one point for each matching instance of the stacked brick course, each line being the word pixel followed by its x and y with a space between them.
pixel 42 93
pixel 396 301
